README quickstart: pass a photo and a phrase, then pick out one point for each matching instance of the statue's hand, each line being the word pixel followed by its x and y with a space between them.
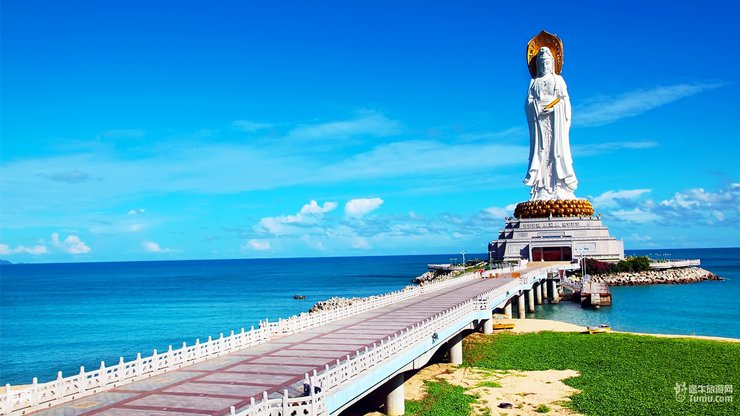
pixel 548 110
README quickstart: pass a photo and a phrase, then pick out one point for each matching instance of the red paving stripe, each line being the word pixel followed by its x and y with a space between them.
pixel 236 383
pixel 174 410
pixel 204 394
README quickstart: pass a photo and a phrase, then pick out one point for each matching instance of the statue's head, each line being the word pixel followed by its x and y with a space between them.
pixel 545 62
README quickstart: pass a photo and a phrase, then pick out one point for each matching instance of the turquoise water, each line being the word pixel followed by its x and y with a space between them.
pixel 60 316
pixel 705 308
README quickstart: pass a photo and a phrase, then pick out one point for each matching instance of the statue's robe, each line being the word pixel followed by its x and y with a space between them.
pixel 561 174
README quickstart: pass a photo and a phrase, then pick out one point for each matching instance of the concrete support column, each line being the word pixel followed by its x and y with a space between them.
pixel 537 287
pixel 394 402
pixel 554 291
pixel 530 300
pixel 545 290
pixel 520 306
pixel 488 326
pixel 456 350
pixel 542 290
pixel 507 309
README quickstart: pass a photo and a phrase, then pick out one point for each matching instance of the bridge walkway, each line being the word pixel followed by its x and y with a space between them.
pixel 213 386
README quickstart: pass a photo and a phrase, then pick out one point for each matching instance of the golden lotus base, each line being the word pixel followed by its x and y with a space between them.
pixel 555 208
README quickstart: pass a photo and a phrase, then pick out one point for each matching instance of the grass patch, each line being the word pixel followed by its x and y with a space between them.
pixel 442 399
pixel 542 409
pixel 621 374
pixel 489 384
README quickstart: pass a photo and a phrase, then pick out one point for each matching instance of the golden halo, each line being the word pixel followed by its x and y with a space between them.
pixel 545 39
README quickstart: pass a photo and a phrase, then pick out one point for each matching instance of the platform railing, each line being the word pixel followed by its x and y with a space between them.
pixel 37 396
pixel 357 364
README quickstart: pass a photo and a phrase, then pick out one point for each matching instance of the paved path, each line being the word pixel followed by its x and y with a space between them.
pixel 211 387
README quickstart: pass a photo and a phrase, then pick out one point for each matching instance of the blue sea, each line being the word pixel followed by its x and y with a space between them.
pixel 60 316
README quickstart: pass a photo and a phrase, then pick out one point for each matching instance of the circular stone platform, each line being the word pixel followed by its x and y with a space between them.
pixel 556 208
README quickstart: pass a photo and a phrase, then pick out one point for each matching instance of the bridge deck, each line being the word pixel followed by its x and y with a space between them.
pixel 212 386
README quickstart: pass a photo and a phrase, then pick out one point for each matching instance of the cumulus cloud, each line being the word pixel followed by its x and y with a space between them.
pixel 608 109
pixel 152 247
pixel 611 199
pixel 361 206
pixel 636 215
pixel 258 245
pixel 309 214
pixel 692 206
pixel 72 244
pixel 139 211
pixel 498 212
pixel 35 250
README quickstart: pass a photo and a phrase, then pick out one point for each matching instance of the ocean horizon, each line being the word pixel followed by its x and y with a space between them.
pixel 104 310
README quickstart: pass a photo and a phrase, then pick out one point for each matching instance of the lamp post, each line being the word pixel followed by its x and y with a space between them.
pixel 582 261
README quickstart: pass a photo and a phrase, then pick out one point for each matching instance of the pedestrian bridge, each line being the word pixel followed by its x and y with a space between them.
pixel 310 364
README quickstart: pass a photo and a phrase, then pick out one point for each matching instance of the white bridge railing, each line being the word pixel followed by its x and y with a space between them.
pixel 38 396
pixel 354 365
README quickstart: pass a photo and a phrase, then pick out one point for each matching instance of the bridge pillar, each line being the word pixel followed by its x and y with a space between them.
pixel 554 291
pixel 456 351
pixel 507 308
pixel 537 287
pixel 520 306
pixel 545 290
pixel 488 326
pixel 394 402
pixel 530 300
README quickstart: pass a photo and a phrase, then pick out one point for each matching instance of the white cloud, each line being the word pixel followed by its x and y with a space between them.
pixel 690 207
pixel 368 123
pixel 72 244
pixel 498 212
pixel 360 243
pixel 139 211
pixel 594 149
pixel 636 215
pixel 35 250
pixel 640 238
pixel 604 110
pixel 611 199
pixel 309 214
pixel 361 206
pixel 424 157
pixel 258 245
pixel 152 247
pixel 700 198
pixel 250 126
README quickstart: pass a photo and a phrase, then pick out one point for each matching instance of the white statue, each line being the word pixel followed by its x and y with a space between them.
pixel 550 173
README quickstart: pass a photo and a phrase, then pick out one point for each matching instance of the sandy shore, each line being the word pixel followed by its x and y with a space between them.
pixel 523 391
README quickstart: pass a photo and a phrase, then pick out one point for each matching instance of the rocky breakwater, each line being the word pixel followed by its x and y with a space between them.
pixel 651 277
pixel 340 302
pixel 433 277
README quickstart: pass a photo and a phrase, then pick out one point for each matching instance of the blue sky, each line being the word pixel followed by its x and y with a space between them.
pixel 193 130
